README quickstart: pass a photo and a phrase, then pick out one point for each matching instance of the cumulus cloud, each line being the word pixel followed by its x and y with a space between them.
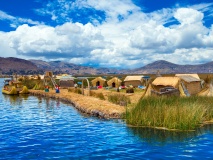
pixel 126 37
pixel 6 50
pixel 188 16
pixel 68 40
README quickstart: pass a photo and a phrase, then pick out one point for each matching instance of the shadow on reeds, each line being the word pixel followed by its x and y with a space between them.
pixel 163 137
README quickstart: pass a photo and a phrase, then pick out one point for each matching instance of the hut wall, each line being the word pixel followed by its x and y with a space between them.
pixel 102 83
pixel 95 82
pixel 66 84
pixel 193 87
pixel 116 85
pixel 133 83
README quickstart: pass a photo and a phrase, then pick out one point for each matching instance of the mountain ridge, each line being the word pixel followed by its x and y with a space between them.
pixel 166 67
pixel 12 65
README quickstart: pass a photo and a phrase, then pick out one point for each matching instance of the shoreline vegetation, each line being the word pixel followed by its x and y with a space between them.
pixel 173 113
pixel 166 113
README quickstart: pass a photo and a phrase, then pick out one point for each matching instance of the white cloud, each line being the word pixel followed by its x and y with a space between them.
pixel 5 50
pixel 69 40
pixel 188 16
pixel 5 16
pixel 16 21
pixel 127 37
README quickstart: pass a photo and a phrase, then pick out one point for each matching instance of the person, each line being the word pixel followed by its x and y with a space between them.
pixel 57 89
pixel 46 88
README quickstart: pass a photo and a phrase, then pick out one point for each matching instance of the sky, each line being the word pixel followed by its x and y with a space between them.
pixel 123 34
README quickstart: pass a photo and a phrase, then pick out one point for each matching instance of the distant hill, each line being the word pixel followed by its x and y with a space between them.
pixel 70 68
pixel 166 67
pixel 16 65
pixel 20 66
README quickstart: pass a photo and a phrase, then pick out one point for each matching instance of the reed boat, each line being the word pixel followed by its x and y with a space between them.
pixel 14 87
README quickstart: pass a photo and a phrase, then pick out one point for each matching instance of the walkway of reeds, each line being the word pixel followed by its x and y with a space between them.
pixel 86 104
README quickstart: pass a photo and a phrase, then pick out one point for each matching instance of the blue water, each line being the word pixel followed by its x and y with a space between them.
pixel 37 128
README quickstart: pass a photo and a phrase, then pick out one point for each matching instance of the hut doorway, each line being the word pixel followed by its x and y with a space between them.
pixel 113 84
pixel 98 83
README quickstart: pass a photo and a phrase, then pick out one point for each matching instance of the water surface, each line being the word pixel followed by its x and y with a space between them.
pixel 41 128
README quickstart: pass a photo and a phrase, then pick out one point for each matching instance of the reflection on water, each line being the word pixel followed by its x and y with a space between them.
pixel 15 100
pixel 163 137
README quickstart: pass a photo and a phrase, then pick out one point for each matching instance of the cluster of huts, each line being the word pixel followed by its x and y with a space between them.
pixel 115 82
pixel 180 85
pixel 66 81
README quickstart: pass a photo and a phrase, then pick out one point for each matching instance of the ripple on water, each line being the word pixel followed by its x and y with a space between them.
pixel 37 128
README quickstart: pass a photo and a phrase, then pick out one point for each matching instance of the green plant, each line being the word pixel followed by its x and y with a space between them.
pixel 119 99
pixel 183 113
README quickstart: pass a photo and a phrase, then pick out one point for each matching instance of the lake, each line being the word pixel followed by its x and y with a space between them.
pixel 41 128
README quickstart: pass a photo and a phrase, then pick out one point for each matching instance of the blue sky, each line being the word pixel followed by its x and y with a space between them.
pixel 108 33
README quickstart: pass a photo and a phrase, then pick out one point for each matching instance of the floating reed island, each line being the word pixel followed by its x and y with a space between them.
pixel 86 104
pixel 170 103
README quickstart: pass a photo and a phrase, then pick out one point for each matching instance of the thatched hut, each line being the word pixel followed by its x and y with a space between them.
pixel 165 86
pixel 99 81
pixel 114 82
pixel 192 82
pixel 66 81
pixel 135 81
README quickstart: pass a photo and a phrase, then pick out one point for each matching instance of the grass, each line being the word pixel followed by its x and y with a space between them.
pixel 172 113
pixel 75 90
pixel 119 99
pixel 98 95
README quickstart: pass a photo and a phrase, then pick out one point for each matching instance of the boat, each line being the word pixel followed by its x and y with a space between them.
pixel 14 87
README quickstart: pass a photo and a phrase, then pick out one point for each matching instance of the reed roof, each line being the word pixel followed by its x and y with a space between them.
pixel 133 78
pixel 98 79
pixel 115 80
pixel 166 81
pixel 189 77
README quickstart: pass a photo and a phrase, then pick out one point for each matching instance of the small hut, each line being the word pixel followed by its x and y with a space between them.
pixel 99 81
pixel 135 81
pixel 114 82
pixel 192 82
pixel 166 86
pixel 66 81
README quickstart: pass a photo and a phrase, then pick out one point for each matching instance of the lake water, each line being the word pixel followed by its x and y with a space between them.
pixel 38 128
